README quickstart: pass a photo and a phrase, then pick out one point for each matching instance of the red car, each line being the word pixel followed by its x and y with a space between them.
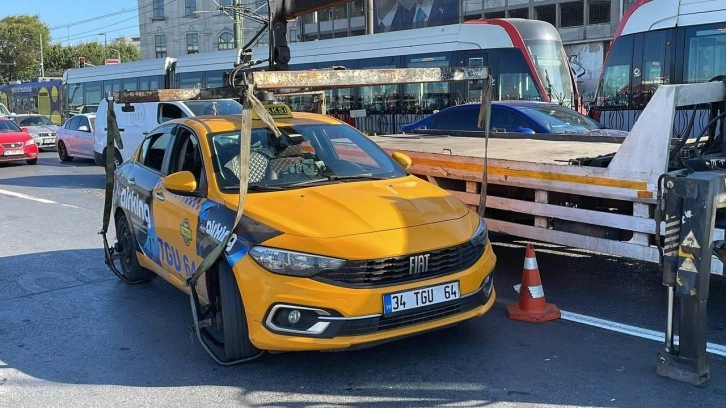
pixel 16 144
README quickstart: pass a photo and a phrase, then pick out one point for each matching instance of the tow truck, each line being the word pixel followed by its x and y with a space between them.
pixel 655 196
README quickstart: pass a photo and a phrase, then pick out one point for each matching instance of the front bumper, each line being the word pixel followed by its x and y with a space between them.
pixel 28 154
pixel 353 317
pixel 45 142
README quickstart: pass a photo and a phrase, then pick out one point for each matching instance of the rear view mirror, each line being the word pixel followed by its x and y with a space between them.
pixel 24 129
pixel 181 182
pixel 402 159
pixel 83 128
pixel 128 108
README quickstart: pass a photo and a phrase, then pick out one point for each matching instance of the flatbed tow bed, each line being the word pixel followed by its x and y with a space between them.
pixel 537 187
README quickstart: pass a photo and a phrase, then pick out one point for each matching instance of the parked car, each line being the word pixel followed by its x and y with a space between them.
pixel 75 137
pixel 16 144
pixel 515 116
pixel 40 128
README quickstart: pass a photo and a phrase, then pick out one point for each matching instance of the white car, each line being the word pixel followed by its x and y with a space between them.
pixel 40 127
pixel 75 137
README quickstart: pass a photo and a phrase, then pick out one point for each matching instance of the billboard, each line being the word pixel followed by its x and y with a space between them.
pixel 395 15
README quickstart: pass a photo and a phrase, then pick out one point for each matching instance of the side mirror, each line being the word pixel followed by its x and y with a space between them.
pixel 402 159
pixel 181 182
pixel 24 129
pixel 83 128
pixel 526 130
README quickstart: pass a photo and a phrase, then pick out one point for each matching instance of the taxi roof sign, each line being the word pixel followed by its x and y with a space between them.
pixel 277 111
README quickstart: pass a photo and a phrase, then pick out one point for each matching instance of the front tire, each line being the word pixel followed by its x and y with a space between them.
pixel 63 152
pixel 127 247
pixel 237 343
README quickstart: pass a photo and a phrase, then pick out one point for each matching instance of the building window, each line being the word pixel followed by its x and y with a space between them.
pixel 158 8
pixel 192 43
pixel 546 13
pixel 519 13
pixel 190 6
pixel 599 12
pixel 160 41
pixel 572 14
pixel 494 14
pixel 225 41
pixel 225 2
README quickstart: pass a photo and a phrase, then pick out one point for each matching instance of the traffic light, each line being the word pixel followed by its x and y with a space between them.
pixel 81 62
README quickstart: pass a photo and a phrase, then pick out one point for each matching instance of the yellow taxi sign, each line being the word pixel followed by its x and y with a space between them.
pixel 277 111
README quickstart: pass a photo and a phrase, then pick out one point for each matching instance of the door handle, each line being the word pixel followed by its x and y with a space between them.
pixel 131 181
pixel 159 196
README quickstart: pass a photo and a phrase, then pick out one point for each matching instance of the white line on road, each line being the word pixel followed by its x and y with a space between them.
pixel 28 197
pixel 633 330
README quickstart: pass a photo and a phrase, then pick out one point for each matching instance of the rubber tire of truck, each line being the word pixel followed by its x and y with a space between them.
pixel 127 246
pixel 117 159
pixel 236 336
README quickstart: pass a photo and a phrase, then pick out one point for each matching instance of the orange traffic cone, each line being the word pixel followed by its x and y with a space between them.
pixel 532 306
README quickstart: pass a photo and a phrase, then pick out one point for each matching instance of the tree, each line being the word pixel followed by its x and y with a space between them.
pixel 126 51
pixel 20 43
pixel 57 59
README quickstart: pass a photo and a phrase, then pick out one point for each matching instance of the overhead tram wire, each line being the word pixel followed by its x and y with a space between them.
pixel 88 20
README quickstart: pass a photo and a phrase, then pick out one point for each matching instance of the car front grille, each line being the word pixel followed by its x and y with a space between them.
pixel 397 270
pixel 18 145
pixel 382 323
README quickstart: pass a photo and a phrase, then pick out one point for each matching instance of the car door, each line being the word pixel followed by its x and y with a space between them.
pixel 177 215
pixel 137 194
pixel 69 138
pixel 84 139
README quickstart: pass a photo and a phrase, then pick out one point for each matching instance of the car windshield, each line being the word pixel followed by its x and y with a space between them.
pixel 559 119
pixel 217 107
pixel 304 155
pixel 35 121
pixel 8 126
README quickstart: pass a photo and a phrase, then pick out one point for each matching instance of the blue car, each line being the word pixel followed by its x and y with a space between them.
pixel 515 116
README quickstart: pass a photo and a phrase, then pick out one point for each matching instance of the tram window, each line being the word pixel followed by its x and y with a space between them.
pixel 214 79
pixel 427 97
pixel 144 83
pixel 654 70
pixel 614 90
pixel 75 96
pixel 154 82
pixel 517 86
pixel 190 80
pixel 93 92
pixel 130 84
pixel 706 51
pixel 380 98
pixel 116 85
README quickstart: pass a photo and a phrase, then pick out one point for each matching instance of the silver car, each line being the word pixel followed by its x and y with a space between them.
pixel 40 128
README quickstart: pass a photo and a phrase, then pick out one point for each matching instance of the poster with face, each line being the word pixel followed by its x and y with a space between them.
pixel 395 15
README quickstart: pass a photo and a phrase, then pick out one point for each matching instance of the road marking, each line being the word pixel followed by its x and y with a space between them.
pixel 31 198
pixel 633 330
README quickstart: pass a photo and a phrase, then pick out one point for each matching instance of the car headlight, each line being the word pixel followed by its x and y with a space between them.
pixel 293 263
pixel 480 236
pixel 30 142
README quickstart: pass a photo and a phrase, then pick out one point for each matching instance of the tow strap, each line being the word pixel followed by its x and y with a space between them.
pixel 250 103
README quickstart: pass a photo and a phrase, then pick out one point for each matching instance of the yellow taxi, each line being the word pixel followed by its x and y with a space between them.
pixel 339 247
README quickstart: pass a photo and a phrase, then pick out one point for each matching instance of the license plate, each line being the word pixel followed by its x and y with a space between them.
pixel 412 299
pixel 13 152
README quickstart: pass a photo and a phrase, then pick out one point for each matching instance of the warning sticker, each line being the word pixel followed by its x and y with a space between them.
pixel 690 241
pixel 536 291
pixel 688 266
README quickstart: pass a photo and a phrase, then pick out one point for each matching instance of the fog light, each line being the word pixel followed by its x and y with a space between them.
pixel 294 316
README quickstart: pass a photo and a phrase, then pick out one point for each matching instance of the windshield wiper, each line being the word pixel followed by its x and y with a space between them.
pixel 255 188
pixel 365 176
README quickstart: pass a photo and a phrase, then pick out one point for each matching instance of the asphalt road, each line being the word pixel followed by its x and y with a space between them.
pixel 71 334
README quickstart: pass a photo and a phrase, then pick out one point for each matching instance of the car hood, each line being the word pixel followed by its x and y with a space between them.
pixel 350 208
pixel 42 129
pixel 13 137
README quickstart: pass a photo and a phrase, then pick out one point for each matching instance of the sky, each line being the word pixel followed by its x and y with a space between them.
pixel 66 18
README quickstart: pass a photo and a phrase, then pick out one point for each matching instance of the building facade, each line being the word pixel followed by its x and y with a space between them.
pixel 177 27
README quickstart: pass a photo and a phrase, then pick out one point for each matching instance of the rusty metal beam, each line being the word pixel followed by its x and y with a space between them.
pixel 166 95
pixel 363 77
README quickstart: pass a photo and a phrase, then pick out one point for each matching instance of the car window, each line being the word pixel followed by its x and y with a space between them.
pixel 188 155
pixel 72 123
pixel 220 107
pixel 93 122
pixel 35 121
pixel 154 149
pixel 559 119
pixel 304 154
pixel 504 120
pixel 84 122
pixel 168 112
pixel 464 118
pixel 8 126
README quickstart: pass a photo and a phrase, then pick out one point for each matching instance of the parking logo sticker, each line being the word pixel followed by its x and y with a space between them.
pixel 186 232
